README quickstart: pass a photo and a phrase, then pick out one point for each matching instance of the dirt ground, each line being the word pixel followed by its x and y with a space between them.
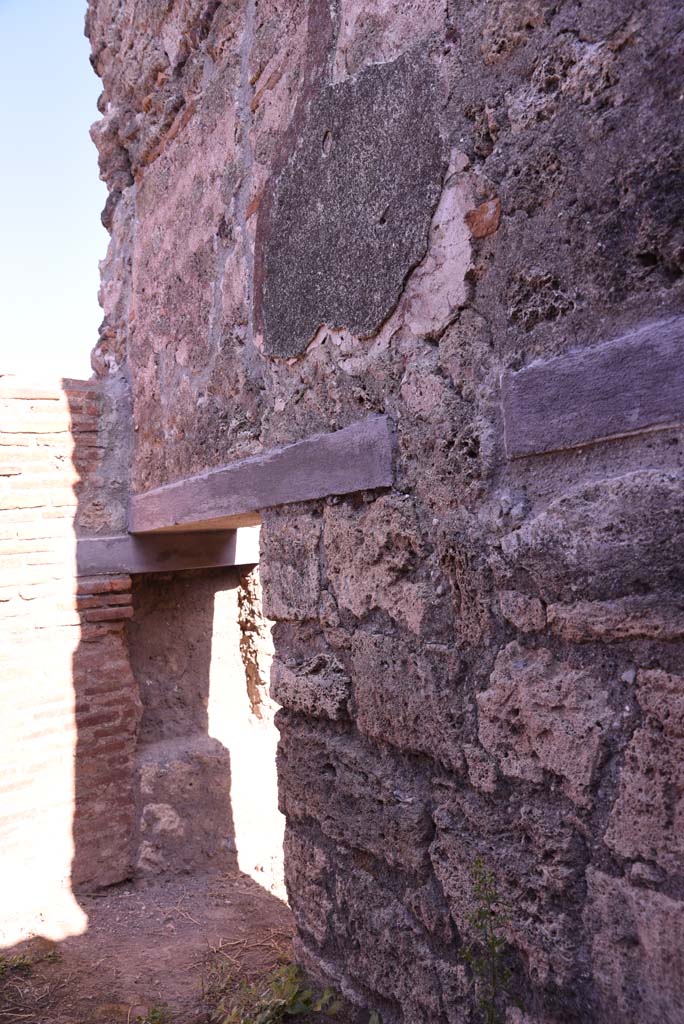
pixel 154 953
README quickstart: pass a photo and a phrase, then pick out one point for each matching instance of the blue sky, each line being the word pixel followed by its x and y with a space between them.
pixel 51 237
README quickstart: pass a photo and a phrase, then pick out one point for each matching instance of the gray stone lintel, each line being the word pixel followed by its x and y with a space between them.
pixel 357 458
pixel 101 556
pixel 626 386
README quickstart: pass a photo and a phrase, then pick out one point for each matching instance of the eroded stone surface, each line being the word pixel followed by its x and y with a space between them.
pixel 539 715
pixel 654 618
pixel 322 775
pixel 647 821
pixel 637 951
pixel 405 698
pixel 534 856
pixel 372 558
pixel 382 30
pixel 390 950
pixel 438 287
pixel 291 566
pixel 308 868
pixel 604 539
pixel 320 687
pixel 527 613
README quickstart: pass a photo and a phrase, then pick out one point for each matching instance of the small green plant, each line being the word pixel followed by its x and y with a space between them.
pixel 20 964
pixel 485 956
pixel 155 1015
pixel 280 994
pixel 375 1018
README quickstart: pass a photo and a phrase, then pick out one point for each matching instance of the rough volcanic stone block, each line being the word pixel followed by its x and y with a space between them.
pixel 319 688
pixel 637 951
pixel 308 871
pixel 647 821
pixel 290 570
pixel 393 27
pixel 654 616
pixel 372 558
pixel 348 216
pixel 409 698
pixel 539 715
pixel 323 776
pixel 527 613
pixel 536 859
pixel 604 539
pixel 389 953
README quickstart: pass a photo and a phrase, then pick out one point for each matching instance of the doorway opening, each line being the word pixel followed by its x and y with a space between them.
pixel 206 787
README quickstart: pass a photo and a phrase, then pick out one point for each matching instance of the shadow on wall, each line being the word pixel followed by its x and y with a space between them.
pixel 167 731
pixel 184 819
pixel 152 788
pixel 198 722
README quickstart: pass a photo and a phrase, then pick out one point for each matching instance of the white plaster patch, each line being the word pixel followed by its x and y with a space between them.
pixel 437 287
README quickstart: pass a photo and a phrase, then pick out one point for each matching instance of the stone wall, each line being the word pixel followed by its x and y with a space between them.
pixel 70 704
pixel 321 210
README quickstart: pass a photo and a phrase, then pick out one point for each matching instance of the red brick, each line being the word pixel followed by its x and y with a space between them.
pixel 108 614
pixel 92 632
pixel 103 600
pixel 113 747
pixel 96 774
pixel 102 584
pixel 100 718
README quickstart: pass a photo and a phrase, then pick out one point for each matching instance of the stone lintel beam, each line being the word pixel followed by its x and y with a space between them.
pixel 96 556
pixel 357 458
pixel 627 386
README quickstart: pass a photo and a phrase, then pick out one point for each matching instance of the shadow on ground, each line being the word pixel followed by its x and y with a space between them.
pixel 149 948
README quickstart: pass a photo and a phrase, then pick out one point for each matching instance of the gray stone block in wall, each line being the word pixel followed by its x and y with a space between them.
pixel 357 458
pixel 632 384
pixel 348 216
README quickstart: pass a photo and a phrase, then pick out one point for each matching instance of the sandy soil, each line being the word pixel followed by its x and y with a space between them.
pixel 150 953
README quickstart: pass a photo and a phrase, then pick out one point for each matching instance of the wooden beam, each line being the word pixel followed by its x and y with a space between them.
pixel 97 556
pixel 356 458
pixel 626 386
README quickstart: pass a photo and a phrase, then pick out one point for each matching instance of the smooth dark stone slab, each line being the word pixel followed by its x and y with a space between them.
pixel 347 217
pixel 626 386
pixel 357 458
pixel 97 556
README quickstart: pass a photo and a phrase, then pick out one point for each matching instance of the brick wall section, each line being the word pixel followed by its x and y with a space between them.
pixel 69 700
pixel 107 718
